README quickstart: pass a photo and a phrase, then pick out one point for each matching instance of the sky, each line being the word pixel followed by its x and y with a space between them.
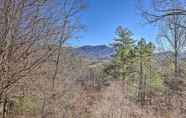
pixel 102 17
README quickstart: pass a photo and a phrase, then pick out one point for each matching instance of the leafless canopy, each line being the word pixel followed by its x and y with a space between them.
pixel 25 25
pixel 160 9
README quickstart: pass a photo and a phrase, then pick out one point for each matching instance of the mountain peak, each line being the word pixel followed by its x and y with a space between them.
pixel 99 52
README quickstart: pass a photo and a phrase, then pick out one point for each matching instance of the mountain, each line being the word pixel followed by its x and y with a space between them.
pixel 104 52
pixel 100 52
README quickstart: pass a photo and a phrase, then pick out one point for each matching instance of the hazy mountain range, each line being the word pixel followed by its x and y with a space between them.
pixel 104 52
pixel 100 52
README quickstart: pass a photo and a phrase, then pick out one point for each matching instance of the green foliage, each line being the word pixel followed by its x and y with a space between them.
pixel 128 54
pixel 27 104
pixel 134 62
pixel 123 44
pixel 110 71
pixel 157 82
pixel 144 50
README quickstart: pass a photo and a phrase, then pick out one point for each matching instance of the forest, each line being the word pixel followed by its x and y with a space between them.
pixel 43 76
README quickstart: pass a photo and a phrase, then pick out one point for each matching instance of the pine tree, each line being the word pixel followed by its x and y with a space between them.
pixel 124 45
pixel 144 52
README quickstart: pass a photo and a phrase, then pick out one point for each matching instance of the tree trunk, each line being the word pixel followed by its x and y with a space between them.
pixel 140 91
pixel 4 108
pixel 150 89
pixel 61 42
pixel 175 49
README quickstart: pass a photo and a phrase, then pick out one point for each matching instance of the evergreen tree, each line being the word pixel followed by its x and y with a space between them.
pixel 144 53
pixel 124 45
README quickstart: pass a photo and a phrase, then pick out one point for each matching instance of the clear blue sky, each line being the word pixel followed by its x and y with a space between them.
pixel 102 18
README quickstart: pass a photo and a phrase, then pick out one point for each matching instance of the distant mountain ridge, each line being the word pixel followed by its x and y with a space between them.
pixel 104 52
pixel 99 52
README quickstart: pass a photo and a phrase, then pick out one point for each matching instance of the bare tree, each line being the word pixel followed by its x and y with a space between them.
pixel 24 25
pixel 69 25
pixel 170 14
pixel 174 38
pixel 161 9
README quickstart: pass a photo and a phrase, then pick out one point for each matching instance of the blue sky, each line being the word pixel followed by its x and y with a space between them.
pixel 102 18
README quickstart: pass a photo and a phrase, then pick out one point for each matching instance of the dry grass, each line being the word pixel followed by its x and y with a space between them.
pixel 72 99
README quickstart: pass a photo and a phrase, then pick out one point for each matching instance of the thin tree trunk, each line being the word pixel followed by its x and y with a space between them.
pixel 4 108
pixel 176 60
pixel 150 89
pixel 61 41
pixel 56 66
pixel 43 108
pixel 176 49
pixel 140 81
